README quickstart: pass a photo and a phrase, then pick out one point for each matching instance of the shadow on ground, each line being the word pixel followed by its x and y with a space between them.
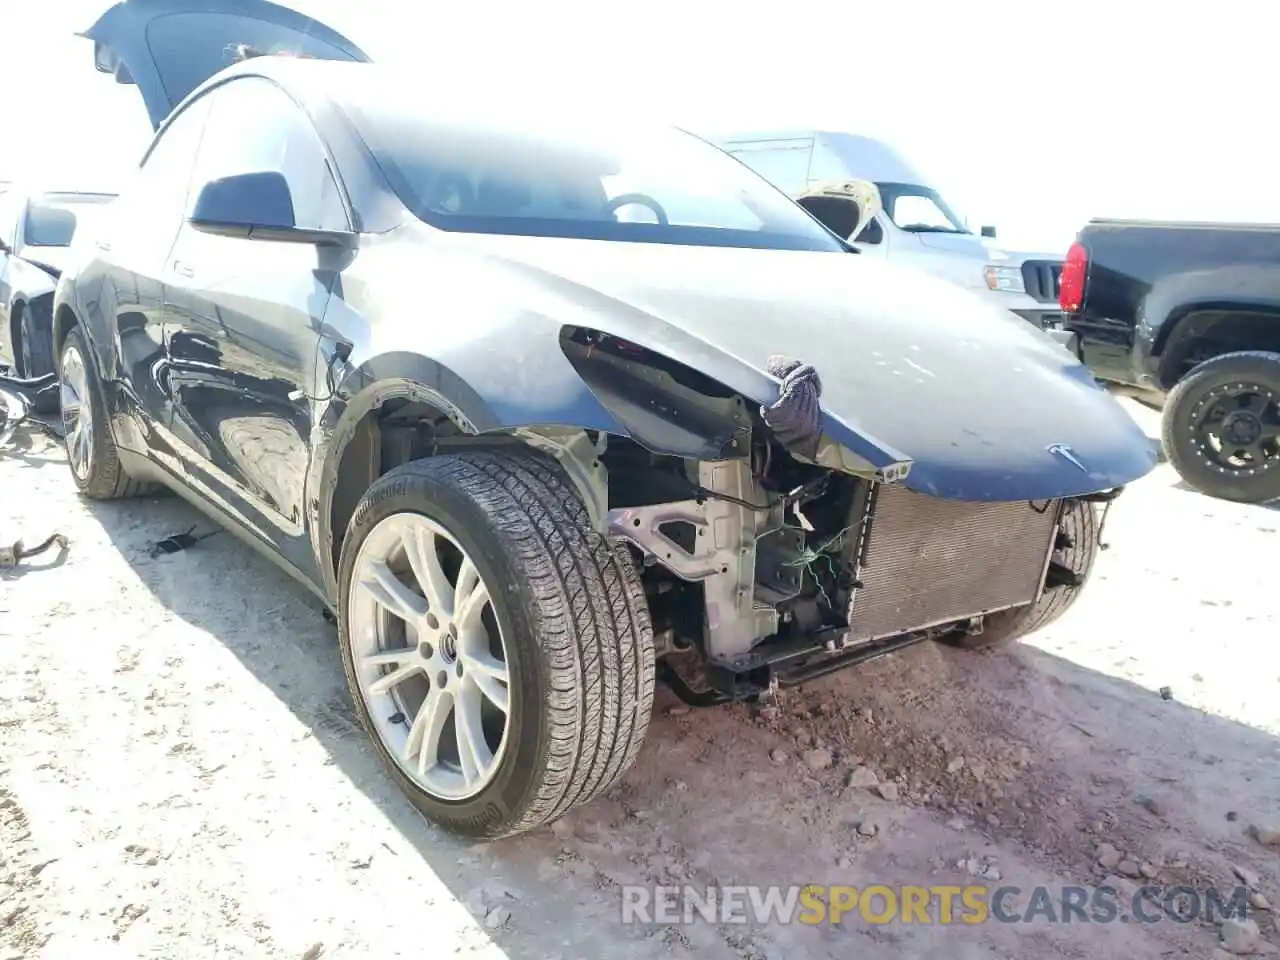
pixel 709 801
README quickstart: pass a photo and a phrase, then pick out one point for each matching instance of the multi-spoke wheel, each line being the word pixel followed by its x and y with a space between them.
pixel 426 646
pixel 498 650
pixel 91 450
pixel 1221 427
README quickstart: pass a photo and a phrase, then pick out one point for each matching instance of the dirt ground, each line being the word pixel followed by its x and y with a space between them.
pixel 181 774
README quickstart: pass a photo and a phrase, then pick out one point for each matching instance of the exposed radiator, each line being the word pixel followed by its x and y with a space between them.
pixel 930 561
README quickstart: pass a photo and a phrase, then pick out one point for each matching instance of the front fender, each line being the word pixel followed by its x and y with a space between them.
pixel 359 389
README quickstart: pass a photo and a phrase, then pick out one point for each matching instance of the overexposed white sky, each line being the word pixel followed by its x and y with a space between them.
pixel 1033 115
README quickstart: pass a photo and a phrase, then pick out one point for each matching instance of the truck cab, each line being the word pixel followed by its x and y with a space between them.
pixel 914 226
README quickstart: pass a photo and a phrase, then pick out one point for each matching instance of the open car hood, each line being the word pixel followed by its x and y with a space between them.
pixel 913 368
pixel 845 207
pixel 169 47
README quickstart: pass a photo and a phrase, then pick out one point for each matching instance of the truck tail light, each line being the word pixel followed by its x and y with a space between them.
pixel 1074 270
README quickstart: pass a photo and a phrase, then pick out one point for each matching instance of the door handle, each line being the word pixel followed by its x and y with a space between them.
pixel 182 270
pixel 102 244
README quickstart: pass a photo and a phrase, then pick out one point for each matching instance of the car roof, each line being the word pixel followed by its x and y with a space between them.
pixel 38 192
pixel 370 85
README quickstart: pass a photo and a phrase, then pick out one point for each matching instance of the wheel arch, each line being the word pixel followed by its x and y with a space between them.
pixel 1199 331
pixel 438 410
pixel 64 319
pixel 353 452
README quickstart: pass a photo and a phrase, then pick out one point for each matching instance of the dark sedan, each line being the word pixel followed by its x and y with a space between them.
pixel 36 230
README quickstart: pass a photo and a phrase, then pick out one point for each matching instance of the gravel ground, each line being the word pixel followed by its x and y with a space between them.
pixel 181 774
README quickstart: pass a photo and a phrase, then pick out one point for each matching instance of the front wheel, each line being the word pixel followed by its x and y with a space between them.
pixel 1075 551
pixel 1221 427
pixel 499 652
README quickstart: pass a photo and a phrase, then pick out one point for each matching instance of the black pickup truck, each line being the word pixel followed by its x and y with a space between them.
pixel 1186 316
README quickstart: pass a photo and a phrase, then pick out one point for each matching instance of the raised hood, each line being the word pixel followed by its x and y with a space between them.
pixel 984 406
pixel 169 47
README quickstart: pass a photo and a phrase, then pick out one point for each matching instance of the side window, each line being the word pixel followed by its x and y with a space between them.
pixel 255 128
pixel 784 164
pixel 164 178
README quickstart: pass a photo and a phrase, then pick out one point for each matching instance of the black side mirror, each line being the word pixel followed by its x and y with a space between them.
pixel 255 206
pixel 989 232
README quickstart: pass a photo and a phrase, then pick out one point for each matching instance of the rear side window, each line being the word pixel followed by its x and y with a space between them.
pixel 52 219
pixel 48 226
pixel 188 48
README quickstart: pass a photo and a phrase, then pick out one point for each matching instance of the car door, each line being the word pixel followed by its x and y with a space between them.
pixel 243 316
pixel 169 47
pixel 121 285
pixel 10 205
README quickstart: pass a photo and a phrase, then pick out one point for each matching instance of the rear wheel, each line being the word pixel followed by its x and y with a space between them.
pixel 91 450
pixel 499 652
pixel 1221 427
pixel 1076 550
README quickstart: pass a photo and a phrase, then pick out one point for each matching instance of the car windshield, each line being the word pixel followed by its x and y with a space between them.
pixel 555 179
pixel 918 209
pixel 51 219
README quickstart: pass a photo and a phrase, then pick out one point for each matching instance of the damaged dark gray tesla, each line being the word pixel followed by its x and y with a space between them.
pixel 541 405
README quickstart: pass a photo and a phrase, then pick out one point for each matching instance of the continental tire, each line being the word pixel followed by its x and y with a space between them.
pixel 1080 525
pixel 561 615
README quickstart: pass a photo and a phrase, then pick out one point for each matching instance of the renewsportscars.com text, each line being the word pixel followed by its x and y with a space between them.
pixel 929 905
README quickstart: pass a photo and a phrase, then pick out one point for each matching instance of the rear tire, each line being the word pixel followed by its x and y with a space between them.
pixel 91 450
pixel 572 624
pixel 1080 525
pixel 1228 378
pixel 35 335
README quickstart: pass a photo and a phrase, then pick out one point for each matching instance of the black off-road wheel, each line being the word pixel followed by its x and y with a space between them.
pixel 35 336
pixel 498 650
pixel 1076 550
pixel 1221 427
pixel 91 450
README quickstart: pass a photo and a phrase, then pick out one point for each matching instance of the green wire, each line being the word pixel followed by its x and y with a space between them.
pixel 808 557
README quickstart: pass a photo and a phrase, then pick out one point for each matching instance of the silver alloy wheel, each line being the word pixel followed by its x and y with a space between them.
pixel 77 412
pixel 429 656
